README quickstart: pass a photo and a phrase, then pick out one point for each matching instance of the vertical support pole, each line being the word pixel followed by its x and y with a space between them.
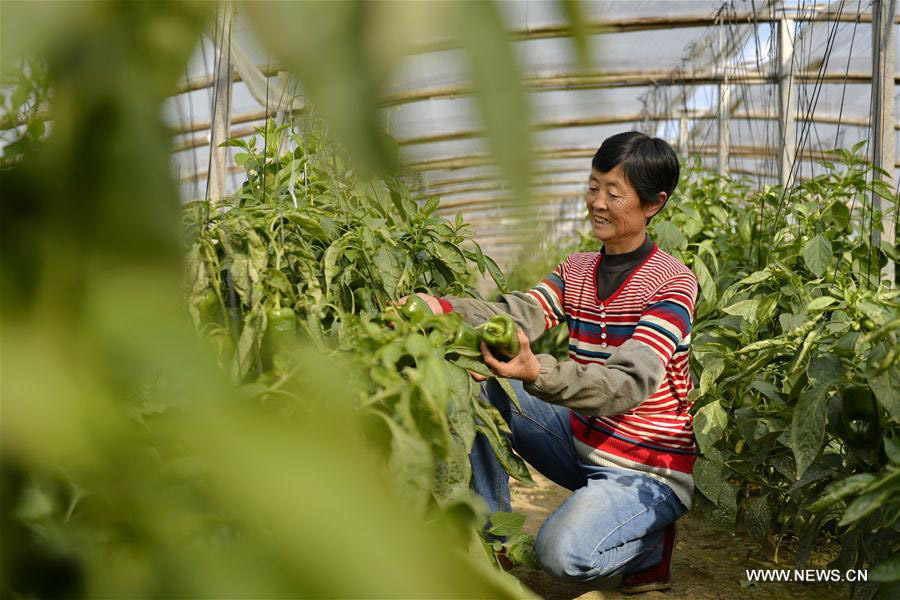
pixel 724 126
pixel 683 133
pixel 883 72
pixel 788 96
pixel 221 109
pixel 724 140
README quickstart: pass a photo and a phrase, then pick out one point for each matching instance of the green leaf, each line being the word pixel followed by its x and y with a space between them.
pixel 479 257
pixel 249 341
pixel 710 374
pixel 808 427
pixel 890 250
pixel 389 261
pixel 469 364
pixel 708 478
pixel 865 505
pixel 431 205
pixel 767 307
pixel 520 550
pixel 840 214
pixel 892 448
pixel 510 392
pixel 418 345
pixel 746 309
pixel 410 467
pixel 431 422
pixel 669 236
pixel 825 370
pixel 313 227
pixel 756 277
pixel 435 380
pixel 725 513
pixel 330 261
pixel 758 517
pixel 496 273
pixel 512 462
pixel 704 279
pixel 709 425
pixel 506 523
pixel 578 33
pixel 840 490
pixel 451 256
pixel 887 570
pixel 791 321
pixel 499 91
pixel 886 387
pixel 817 255
pixel 820 303
pixel 767 389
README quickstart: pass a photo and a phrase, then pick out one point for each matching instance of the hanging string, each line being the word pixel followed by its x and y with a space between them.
pixel 846 76
pixel 805 126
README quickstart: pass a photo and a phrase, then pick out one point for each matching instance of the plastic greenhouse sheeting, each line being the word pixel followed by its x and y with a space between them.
pixel 655 65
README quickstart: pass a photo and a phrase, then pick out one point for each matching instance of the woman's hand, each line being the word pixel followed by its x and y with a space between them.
pixel 524 366
pixel 431 301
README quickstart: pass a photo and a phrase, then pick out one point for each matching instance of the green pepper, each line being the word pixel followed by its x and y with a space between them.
pixel 499 333
pixel 415 309
pixel 207 307
pixel 860 420
pixel 223 346
pixel 363 297
pixel 281 333
pixel 467 338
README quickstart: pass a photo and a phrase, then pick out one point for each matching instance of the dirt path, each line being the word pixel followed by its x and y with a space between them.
pixel 708 564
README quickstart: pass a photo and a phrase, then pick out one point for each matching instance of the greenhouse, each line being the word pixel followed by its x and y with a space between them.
pixel 470 299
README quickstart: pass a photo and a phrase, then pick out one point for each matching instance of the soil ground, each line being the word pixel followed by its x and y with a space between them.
pixel 708 564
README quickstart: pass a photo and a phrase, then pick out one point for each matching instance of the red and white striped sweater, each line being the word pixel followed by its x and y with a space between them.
pixel 628 379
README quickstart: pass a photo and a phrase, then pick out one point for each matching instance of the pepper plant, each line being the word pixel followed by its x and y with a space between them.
pixel 308 249
pixel 795 357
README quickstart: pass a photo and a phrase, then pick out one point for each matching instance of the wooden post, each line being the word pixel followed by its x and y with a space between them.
pixel 788 96
pixel 883 71
pixel 221 108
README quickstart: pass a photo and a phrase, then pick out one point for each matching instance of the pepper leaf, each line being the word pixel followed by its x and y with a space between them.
pixel 496 273
pixel 510 392
pixel 506 523
pixel 887 570
pixel 817 254
pixel 808 427
pixel 709 425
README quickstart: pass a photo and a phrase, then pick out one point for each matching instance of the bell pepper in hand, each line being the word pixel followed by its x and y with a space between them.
pixel 499 333
pixel 415 309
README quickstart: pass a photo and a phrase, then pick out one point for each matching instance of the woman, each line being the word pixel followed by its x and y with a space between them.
pixel 612 424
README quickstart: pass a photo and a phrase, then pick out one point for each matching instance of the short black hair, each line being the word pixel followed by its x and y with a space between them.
pixel 649 164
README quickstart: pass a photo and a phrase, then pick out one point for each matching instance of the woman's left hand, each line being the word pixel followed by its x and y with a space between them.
pixel 524 366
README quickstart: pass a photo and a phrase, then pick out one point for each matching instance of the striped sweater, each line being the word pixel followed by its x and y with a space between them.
pixel 628 378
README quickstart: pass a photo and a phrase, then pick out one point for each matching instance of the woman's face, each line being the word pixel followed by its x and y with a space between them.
pixel 617 217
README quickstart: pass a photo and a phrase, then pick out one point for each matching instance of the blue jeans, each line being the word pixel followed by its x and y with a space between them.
pixel 612 523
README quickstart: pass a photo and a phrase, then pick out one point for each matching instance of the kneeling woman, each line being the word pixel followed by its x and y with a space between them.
pixel 611 424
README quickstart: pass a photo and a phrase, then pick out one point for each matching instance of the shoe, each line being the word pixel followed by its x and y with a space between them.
pixel 503 558
pixel 656 577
